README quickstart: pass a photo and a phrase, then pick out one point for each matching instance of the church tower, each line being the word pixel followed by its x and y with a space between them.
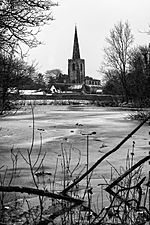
pixel 76 66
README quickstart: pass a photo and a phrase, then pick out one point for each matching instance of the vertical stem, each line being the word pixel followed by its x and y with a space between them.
pixel 149 196
pixel 148 182
pixel 87 166
pixel 102 196
pixel 88 194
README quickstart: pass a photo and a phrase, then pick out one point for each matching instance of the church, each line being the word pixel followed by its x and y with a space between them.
pixel 76 65
pixel 76 80
pixel 76 69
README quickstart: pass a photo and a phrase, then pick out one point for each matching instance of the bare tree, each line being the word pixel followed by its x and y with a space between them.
pixel 20 21
pixel 117 53
pixel 14 74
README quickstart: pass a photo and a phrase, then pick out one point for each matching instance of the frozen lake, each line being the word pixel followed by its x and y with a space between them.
pixel 59 123
pixel 64 126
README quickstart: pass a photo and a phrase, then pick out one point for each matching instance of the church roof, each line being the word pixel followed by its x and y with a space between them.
pixel 76 51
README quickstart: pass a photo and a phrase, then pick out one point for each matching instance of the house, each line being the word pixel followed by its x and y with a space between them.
pixel 31 92
pixel 59 87
pixel 94 85
pixel 54 89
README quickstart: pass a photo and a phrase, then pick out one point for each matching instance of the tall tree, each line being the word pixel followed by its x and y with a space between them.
pixel 20 21
pixel 139 73
pixel 117 53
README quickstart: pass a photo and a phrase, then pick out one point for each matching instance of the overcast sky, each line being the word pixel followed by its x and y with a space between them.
pixel 94 19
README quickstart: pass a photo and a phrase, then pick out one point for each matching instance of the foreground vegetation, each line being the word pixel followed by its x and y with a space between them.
pixel 66 194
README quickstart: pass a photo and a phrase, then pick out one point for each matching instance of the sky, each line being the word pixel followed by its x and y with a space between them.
pixel 94 20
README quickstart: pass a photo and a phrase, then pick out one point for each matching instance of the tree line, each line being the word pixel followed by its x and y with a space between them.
pixel 126 68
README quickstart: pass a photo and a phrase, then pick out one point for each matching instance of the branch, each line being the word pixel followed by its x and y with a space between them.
pixel 128 172
pixel 105 156
pixel 39 193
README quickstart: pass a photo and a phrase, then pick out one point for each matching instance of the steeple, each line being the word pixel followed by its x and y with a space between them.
pixel 76 66
pixel 76 51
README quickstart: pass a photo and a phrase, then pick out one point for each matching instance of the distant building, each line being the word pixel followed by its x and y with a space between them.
pixel 76 65
pixel 54 89
pixel 31 92
pixel 94 85
pixel 91 81
pixel 76 81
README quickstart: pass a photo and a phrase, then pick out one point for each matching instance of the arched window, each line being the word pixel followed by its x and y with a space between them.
pixel 73 66
pixel 81 67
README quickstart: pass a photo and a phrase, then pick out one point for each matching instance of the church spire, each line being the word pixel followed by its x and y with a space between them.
pixel 76 51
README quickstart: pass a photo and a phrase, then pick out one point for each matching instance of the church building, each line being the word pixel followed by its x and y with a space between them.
pixel 76 80
pixel 76 65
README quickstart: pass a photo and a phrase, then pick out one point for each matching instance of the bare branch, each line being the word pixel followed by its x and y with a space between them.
pixel 39 193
